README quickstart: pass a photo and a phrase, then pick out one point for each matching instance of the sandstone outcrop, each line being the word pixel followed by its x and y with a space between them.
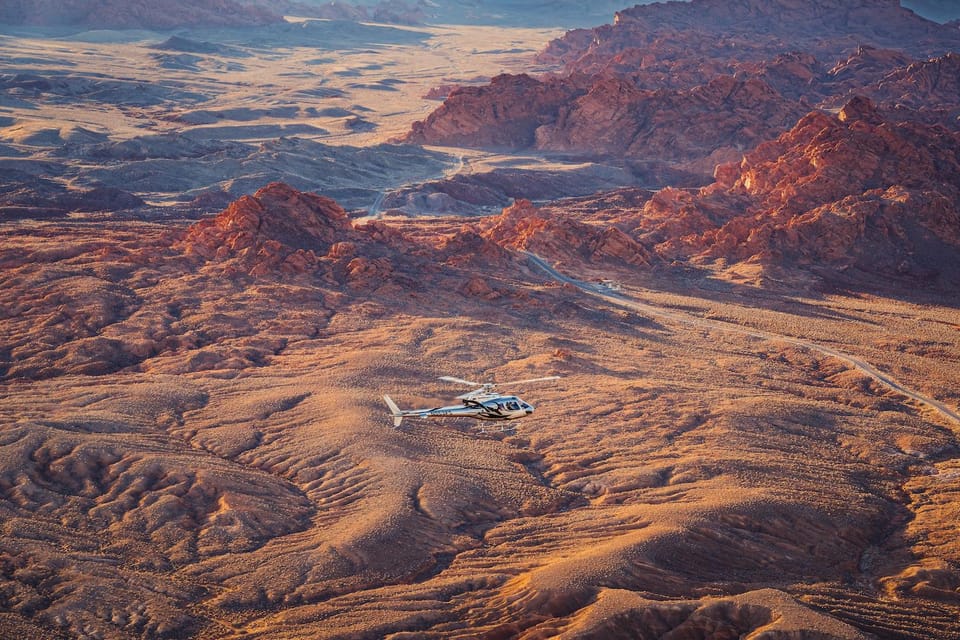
pixel 867 65
pixel 851 190
pixel 282 230
pixel 276 212
pixel 523 226
pixel 504 114
pixel 611 117
pixel 824 28
pixel 282 233
pixel 723 116
pixel 699 83
pixel 930 84
pixel 903 89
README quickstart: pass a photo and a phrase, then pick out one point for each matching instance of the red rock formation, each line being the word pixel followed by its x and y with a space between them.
pixel 440 92
pixel 835 191
pixel 928 84
pixel 824 28
pixel 903 89
pixel 368 273
pixel 793 75
pixel 611 118
pixel 280 231
pixel 504 114
pixel 699 82
pixel 523 226
pixel 616 118
pixel 276 212
pixel 824 158
pixel 867 64
pixel 467 247
pixel 278 228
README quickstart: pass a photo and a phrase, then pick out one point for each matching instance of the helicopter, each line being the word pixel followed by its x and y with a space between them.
pixel 483 403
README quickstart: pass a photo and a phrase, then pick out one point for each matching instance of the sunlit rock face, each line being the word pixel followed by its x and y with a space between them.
pixel 697 84
pixel 834 192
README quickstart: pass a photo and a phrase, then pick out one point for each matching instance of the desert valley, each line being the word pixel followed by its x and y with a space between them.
pixel 230 227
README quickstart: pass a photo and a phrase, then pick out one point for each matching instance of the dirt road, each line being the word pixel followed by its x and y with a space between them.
pixel 605 293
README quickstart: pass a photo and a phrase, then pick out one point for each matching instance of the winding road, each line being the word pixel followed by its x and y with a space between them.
pixel 607 294
pixel 373 213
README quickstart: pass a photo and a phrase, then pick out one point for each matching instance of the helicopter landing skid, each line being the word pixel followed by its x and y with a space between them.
pixel 504 428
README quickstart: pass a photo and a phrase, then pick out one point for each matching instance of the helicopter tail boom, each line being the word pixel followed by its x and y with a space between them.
pixel 395 410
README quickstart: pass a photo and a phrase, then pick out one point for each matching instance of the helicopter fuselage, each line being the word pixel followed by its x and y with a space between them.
pixel 499 408
pixel 482 403
pixel 492 408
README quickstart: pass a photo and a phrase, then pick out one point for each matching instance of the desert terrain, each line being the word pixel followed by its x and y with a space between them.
pixel 173 124
pixel 222 245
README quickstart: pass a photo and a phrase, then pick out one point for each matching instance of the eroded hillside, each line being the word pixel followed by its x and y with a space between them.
pixel 196 446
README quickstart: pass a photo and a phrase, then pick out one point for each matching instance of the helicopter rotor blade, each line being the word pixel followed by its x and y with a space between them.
pixel 460 381
pixel 545 378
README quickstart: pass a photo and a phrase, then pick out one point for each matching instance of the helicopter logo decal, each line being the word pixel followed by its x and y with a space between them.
pixel 483 403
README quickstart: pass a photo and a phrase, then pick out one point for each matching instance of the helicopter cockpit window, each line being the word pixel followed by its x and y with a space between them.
pixel 513 406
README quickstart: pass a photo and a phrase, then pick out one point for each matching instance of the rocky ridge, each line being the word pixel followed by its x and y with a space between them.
pixel 848 190
pixel 277 228
pixel 692 85
pixel 820 27
pixel 188 172
pixel 932 84
pixel 523 226
pixel 853 191
pixel 278 238
pixel 720 119
pixel 504 114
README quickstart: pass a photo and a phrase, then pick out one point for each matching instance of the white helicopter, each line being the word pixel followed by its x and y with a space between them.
pixel 483 403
